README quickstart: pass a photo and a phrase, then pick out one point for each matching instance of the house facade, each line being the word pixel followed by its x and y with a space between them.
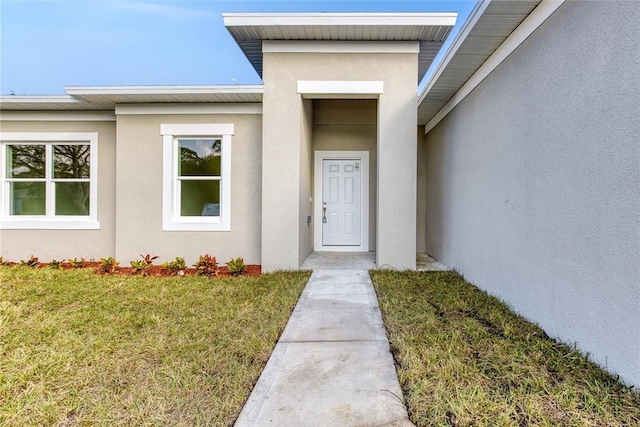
pixel 518 165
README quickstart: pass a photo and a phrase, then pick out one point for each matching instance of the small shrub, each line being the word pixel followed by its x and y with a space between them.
pixel 148 258
pixel 143 265
pixel 140 267
pixel 31 262
pixel 206 265
pixel 3 262
pixel 55 264
pixel 236 266
pixel 108 265
pixel 176 267
pixel 77 263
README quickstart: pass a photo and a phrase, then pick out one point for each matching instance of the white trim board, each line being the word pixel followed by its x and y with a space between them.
pixel 162 90
pixel 327 46
pixel 196 108
pixel 536 18
pixel 318 157
pixel 57 116
pixel 38 99
pixel 340 89
pixel 346 19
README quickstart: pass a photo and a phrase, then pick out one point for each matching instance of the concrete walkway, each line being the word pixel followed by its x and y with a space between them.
pixel 332 365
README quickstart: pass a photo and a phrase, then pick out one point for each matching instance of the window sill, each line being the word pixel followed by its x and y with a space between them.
pixel 196 226
pixel 48 225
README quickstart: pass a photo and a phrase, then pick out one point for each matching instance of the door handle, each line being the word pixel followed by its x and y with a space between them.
pixel 324 212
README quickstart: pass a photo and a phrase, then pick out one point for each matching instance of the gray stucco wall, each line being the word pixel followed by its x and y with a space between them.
pixel 534 182
pixel 63 244
pixel 139 197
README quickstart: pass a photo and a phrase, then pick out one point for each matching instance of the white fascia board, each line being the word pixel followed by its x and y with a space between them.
pixel 163 90
pixel 519 35
pixel 221 108
pixel 38 99
pixel 468 25
pixel 306 46
pixel 58 116
pixel 367 88
pixel 340 19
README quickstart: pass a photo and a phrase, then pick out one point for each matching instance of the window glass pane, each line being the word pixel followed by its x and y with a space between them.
pixel 25 161
pixel 200 198
pixel 27 198
pixel 72 198
pixel 71 161
pixel 199 157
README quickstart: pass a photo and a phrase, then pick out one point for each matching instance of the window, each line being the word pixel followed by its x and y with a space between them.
pixel 48 180
pixel 197 176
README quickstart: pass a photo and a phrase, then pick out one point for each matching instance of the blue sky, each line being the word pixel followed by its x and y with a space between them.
pixel 48 44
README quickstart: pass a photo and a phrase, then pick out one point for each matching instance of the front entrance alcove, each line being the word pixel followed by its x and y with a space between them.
pixel 338 133
pixel 343 174
pixel 322 156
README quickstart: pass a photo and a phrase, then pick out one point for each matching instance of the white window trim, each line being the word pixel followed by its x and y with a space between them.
pixel 50 222
pixel 171 221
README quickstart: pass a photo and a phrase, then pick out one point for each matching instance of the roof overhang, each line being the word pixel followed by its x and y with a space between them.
pixel 40 102
pixel 105 98
pixel 250 30
pixel 492 31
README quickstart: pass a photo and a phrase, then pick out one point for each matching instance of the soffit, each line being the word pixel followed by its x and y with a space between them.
pixel 249 30
pixel 489 25
pixel 42 103
pixel 98 98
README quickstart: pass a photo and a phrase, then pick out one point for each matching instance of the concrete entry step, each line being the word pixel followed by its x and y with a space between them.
pixel 332 365
pixel 340 261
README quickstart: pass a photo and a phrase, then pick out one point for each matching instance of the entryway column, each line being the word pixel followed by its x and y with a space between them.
pixel 281 127
pixel 397 151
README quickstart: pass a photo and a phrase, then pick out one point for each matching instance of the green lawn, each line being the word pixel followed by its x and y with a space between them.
pixel 77 348
pixel 464 359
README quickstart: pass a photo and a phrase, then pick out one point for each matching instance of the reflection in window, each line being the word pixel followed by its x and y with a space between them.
pixel 43 177
pixel 71 161
pixel 199 176
pixel 196 190
pixel 25 161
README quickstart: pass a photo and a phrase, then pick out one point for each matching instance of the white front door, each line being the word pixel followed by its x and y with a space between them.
pixel 341 202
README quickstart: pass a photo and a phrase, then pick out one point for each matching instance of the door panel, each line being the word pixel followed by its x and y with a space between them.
pixel 341 202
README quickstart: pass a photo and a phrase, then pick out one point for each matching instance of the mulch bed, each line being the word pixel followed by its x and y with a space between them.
pixel 153 271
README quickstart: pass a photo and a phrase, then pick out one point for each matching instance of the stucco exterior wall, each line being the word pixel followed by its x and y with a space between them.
pixel 139 198
pixel 533 182
pixel 350 125
pixel 64 244
pixel 306 181
pixel 397 121
pixel 422 193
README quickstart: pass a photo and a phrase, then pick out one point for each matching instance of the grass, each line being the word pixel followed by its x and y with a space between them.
pixel 463 358
pixel 77 348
